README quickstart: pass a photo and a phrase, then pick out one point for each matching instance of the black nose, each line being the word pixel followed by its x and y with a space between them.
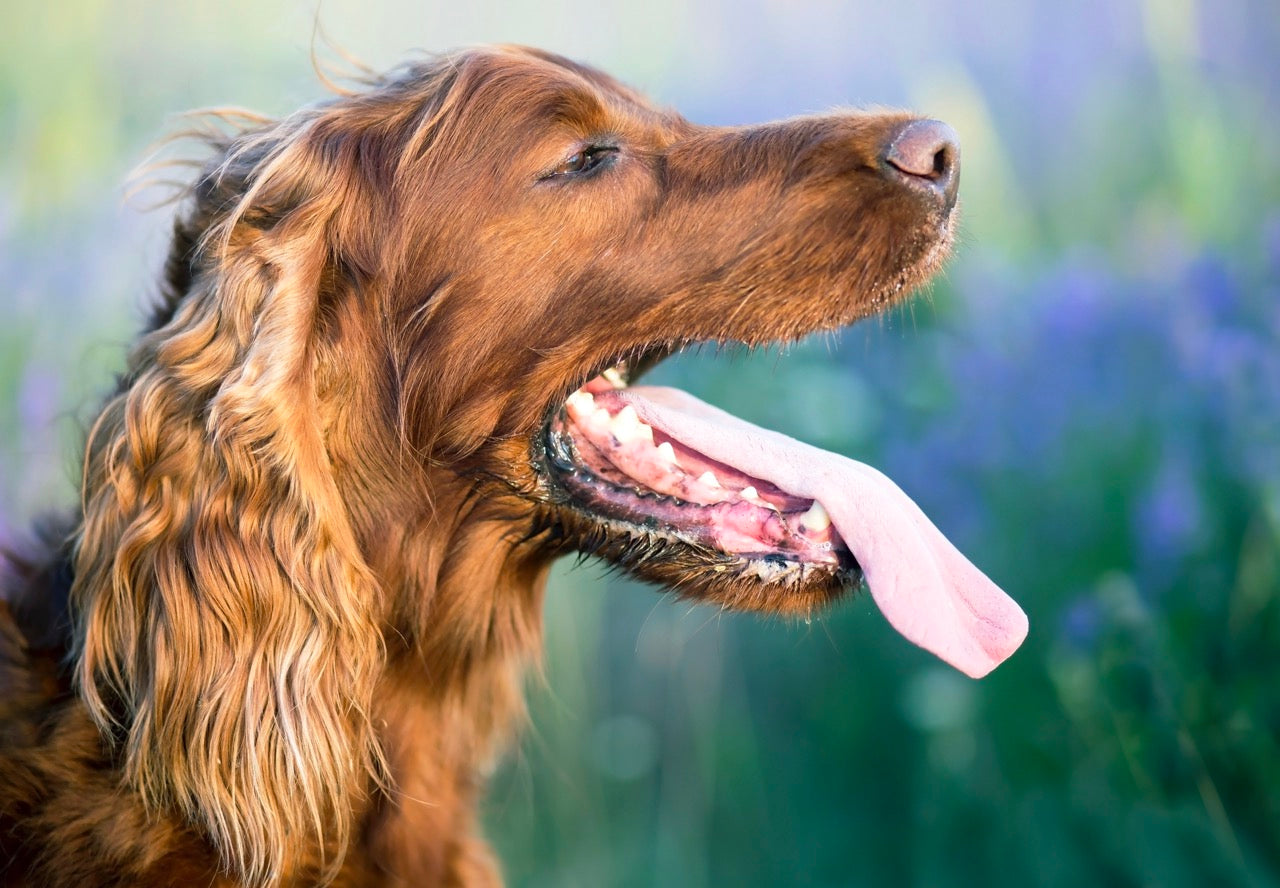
pixel 926 154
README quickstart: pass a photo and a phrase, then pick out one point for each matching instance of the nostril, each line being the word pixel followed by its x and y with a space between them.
pixel 941 161
pixel 928 153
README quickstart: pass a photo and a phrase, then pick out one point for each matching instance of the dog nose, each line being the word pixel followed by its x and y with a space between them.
pixel 926 154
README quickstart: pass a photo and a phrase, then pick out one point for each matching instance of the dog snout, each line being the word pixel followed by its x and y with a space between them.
pixel 925 154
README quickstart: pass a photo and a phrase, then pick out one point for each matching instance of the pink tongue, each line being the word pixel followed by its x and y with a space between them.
pixel 924 587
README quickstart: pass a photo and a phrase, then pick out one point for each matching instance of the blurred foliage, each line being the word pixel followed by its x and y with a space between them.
pixel 1088 403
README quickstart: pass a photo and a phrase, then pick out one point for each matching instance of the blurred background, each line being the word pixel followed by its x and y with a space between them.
pixel 1088 403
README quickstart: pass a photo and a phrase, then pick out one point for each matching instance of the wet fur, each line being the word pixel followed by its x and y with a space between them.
pixel 284 636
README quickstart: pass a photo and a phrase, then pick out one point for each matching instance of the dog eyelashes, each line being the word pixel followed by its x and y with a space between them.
pixel 583 162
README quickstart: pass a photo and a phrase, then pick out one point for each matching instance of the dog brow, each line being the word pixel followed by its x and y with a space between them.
pixel 572 107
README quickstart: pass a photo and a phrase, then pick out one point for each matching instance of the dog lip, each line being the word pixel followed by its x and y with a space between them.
pixel 940 196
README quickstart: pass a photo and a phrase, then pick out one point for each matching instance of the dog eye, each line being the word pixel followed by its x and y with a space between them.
pixel 584 161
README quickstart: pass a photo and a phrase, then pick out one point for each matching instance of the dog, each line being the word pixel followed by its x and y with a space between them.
pixel 390 378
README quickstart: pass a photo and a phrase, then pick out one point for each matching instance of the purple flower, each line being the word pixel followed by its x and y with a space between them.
pixel 1081 623
pixel 1167 521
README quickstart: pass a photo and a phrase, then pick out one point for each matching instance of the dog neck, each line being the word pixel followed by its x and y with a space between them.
pixel 463 603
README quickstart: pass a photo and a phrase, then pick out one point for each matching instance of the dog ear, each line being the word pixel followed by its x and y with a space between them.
pixel 227 631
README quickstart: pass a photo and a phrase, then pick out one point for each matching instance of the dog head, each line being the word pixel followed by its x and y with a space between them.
pixel 412 313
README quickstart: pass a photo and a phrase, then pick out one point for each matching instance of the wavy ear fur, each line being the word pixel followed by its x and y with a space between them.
pixel 227 630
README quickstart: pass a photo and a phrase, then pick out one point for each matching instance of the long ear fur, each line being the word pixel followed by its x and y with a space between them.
pixel 228 637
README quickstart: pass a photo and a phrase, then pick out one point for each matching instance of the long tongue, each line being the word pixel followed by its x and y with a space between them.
pixel 924 587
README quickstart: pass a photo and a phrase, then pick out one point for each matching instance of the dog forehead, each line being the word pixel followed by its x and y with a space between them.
pixel 515 87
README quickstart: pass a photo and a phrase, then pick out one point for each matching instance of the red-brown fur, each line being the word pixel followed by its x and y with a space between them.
pixel 285 635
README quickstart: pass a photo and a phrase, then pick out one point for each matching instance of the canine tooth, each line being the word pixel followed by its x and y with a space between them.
pixel 666 452
pixel 625 425
pixel 614 378
pixel 709 479
pixel 816 518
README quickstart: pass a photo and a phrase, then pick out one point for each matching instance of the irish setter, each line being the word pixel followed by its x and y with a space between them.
pixel 284 637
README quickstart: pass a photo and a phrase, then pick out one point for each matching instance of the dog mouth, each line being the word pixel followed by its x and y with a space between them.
pixel 660 478
pixel 647 480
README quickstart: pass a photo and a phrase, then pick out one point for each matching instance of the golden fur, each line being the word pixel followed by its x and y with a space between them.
pixel 285 635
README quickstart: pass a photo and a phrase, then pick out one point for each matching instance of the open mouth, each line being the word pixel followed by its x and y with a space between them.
pixel 621 467
pixel 754 507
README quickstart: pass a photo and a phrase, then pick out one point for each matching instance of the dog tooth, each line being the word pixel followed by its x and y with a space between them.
pixel 581 403
pixel 666 452
pixel 816 518
pixel 751 495
pixel 709 479
pixel 625 425
pixel 614 378
pixel 597 422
